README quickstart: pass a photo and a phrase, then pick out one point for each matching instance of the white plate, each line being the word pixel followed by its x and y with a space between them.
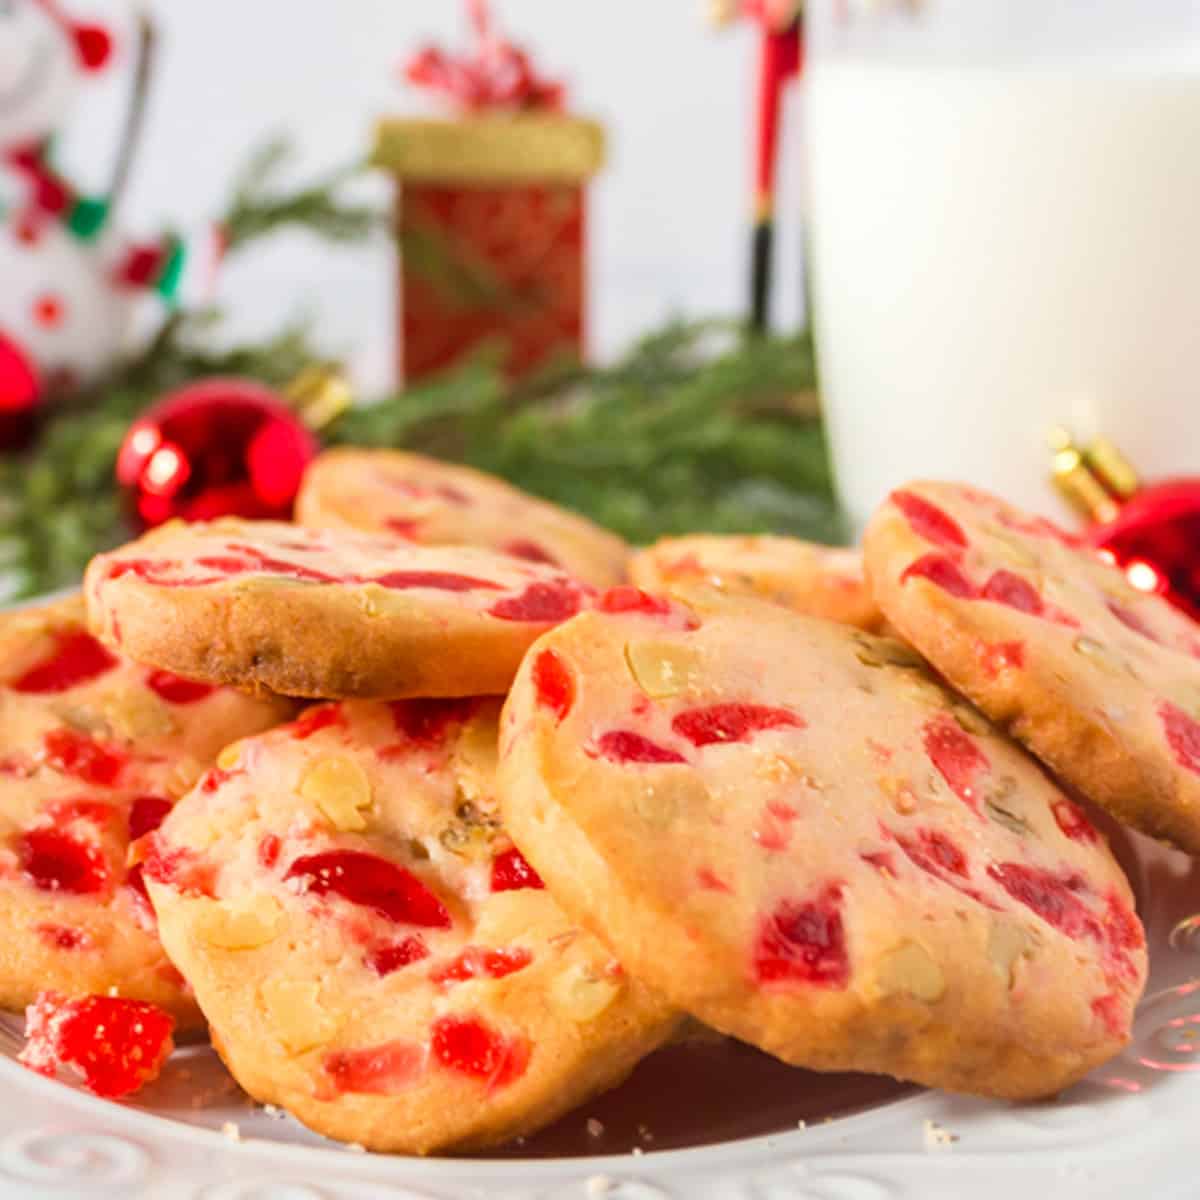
pixel 1126 1131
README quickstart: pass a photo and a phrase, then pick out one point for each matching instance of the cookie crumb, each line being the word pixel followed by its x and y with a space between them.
pixel 937 1137
pixel 356 1148
pixel 637 1152
pixel 599 1185
pixel 231 1131
pixel 595 1128
pixel 801 1124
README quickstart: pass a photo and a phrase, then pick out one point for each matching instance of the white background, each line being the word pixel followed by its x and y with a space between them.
pixel 670 213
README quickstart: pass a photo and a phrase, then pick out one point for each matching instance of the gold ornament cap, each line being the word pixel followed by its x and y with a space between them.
pixel 1077 479
pixel 319 394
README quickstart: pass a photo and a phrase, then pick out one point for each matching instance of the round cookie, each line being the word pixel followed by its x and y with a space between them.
pixel 94 750
pixel 820 581
pixel 797 835
pixel 370 949
pixel 442 504
pixel 1052 641
pixel 324 613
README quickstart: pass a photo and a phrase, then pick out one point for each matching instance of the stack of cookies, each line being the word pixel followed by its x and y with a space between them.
pixel 534 816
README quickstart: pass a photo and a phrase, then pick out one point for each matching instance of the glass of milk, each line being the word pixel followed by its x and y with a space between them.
pixel 1004 221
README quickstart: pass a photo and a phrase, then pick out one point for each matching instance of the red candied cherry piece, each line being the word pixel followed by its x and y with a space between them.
pixel 476 962
pixel 529 551
pixel 178 868
pixel 539 602
pixel 115 1045
pixel 312 720
pixel 427 722
pixel 226 564
pixel 732 722
pixel 626 598
pixel 511 872
pixel 1182 733
pixel 78 658
pixel 625 746
pixel 372 882
pixel 63 937
pixel 383 1070
pixel 57 862
pixel 929 522
pixel 1006 587
pixel 472 1047
pixel 553 683
pixel 1111 1011
pixel 267 853
pixel 146 814
pixel 383 960
pixel 956 756
pixel 995 657
pixel 933 852
pixel 804 941
pixel 1053 898
pixel 438 581
pixel 176 690
pixel 77 754
pixel 881 860
pixel 941 571
pixel 216 777
pixel 710 881
pixel 1132 620
pixel 1072 820
pixel 405 527
pixel 1122 933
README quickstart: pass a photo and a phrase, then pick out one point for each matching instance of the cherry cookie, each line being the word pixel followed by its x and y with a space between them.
pixel 1097 678
pixel 439 504
pixel 329 614
pixel 371 950
pixel 94 750
pixel 820 581
pixel 797 835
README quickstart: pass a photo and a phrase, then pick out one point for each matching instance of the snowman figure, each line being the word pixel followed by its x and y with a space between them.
pixel 44 57
pixel 70 281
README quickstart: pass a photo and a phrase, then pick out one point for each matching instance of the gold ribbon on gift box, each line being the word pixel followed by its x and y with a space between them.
pixel 492 148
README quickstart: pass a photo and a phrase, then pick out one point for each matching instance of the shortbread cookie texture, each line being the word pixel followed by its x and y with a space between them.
pixel 372 951
pixel 819 581
pixel 94 750
pixel 796 834
pixel 443 504
pixel 322 613
pixel 1052 641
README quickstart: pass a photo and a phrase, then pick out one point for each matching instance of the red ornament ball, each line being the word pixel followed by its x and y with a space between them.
pixel 222 447
pixel 1155 538
pixel 20 395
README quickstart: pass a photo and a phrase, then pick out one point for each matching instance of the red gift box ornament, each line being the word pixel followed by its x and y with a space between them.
pixel 1151 530
pixel 490 209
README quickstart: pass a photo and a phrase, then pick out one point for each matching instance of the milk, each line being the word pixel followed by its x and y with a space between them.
pixel 998 249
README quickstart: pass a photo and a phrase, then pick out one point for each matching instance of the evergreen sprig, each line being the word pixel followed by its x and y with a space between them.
pixel 697 428
pixel 261 205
